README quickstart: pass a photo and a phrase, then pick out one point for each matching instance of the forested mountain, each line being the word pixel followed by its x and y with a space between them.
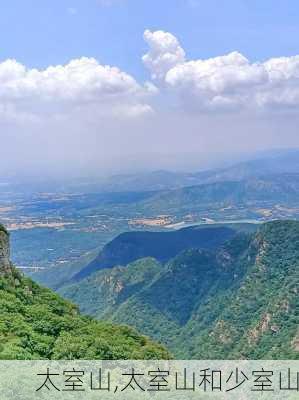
pixel 51 230
pixel 36 323
pixel 272 189
pixel 239 300
pixel 131 246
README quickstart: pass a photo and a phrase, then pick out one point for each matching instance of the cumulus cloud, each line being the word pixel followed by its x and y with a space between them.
pixel 62 89
pixel 86 87
pixel 89 117
pixel 224 83
pixel 165 53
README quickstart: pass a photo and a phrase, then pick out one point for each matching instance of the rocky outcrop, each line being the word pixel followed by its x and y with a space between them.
pixel 5 264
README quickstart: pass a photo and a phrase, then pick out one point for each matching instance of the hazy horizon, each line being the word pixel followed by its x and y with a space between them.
pixel 187 164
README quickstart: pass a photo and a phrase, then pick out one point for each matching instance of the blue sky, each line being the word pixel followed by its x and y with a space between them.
pixel 123 84
pixel 40 33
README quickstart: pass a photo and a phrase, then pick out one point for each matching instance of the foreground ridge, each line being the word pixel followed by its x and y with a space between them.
pixel 36 323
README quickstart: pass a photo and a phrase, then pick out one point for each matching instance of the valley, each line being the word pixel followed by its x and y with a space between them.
pixel 227 299
pixel 62 227
pixel 208 270
pixel 37 324
pixel 149 196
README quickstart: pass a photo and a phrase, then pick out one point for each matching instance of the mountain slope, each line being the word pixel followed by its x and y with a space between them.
pixel 271 189
pixel 100 293
pixel 36 323
pixel 130 246
pixel 260 317
pixel 239 300
pixel 190 279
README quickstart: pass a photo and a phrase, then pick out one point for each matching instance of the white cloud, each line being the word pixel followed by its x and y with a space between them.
pixel 63 88
pixel 86 116
pixel 225 82
pixel 165 53
pixel 86 87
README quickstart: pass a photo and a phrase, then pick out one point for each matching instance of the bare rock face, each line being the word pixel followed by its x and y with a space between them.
pixel 5 264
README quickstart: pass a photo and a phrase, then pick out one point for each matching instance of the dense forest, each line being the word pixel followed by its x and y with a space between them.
pixel 239 300
pixel 36 323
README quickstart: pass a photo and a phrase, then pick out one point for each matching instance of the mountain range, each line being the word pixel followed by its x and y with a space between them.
pixel 271 189
pixel 236 299
pixel 225 290
pixel 267 163
pixel 130 246
pixel 264 163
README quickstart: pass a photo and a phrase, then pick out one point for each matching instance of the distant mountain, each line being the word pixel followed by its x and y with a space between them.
pixel 263 191
pixel 130 246
pixel 36 323
pixel 273 189
pixel 239 300
pixel 268 163
pixel 283 161
pixel 148 181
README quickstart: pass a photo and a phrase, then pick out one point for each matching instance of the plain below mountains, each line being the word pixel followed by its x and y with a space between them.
pixel 237 299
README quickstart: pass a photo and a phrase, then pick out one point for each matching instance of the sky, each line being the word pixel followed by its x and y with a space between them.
pixel 101 86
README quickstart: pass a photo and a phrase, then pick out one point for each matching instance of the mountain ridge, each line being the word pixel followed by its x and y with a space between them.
pixel 36 323
pixel 239 300
pixel 130 246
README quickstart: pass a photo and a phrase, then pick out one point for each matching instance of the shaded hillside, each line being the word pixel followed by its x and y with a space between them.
pixel 130 246
pixel 237 301
pixel 258 318
pixel 100 293
pixel 36 323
